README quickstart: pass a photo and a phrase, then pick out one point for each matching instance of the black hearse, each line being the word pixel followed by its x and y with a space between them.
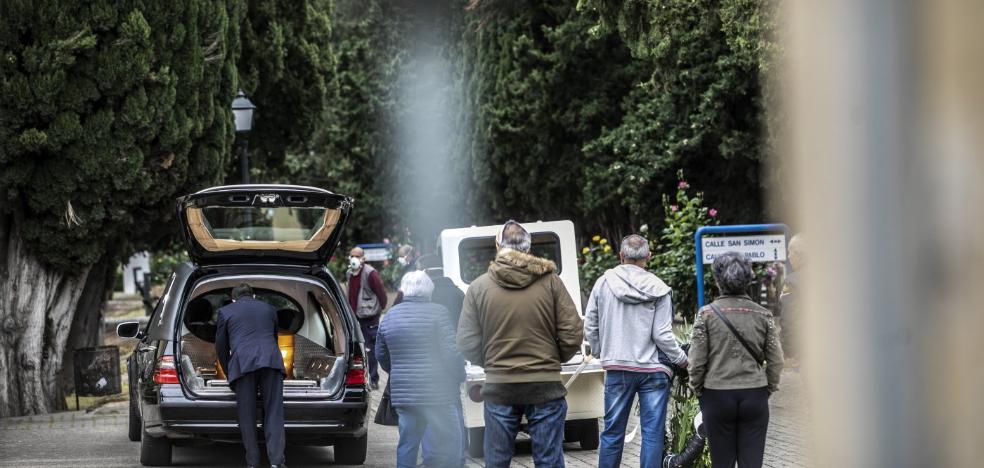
pixel 278 239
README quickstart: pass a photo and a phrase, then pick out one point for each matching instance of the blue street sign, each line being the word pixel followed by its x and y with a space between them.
pixel 757 242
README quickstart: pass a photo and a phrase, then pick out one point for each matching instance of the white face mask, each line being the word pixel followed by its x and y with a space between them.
pixel 403 261
pixel 355 263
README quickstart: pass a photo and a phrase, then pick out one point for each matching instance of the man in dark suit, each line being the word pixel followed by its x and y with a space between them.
pixel 246 343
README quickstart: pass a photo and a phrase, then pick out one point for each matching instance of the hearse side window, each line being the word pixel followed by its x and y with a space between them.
pixel 475 254
pixel 160 305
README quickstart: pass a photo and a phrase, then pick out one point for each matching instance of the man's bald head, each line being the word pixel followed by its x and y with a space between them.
pixel 357 252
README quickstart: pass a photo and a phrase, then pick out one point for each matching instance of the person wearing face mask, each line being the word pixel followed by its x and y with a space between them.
pixel 405 257
pixel 367 297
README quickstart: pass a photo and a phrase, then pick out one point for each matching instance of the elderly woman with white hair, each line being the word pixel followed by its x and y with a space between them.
pixel 735 363
pixel 415 346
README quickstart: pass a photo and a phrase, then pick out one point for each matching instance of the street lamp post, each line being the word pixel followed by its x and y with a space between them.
pixel 242 109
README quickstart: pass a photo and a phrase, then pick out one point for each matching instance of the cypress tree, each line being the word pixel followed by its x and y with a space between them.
pixel 539 87
pixel 111 110
pixel 286 68
pixel 702 110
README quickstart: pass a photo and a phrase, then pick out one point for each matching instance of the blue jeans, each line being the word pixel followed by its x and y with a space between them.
pixel 620 390
pixel 441 421
pixel 546 428
pixel 431 440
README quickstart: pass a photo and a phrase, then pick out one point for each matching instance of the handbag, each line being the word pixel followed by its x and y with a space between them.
pixel 385 413
pixel 741 339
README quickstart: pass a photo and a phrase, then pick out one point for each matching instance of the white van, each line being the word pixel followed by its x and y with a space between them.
pixel 465 254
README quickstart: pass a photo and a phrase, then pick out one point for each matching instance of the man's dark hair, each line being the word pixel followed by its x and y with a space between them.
pixel 243 290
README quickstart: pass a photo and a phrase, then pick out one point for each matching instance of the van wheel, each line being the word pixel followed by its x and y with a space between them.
pixel 589 434
pixel 135 426
pixel 351 451
pixel 476 439
pixel 154 451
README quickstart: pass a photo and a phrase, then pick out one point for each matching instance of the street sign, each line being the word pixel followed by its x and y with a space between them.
pixel 757 242
pixel 377 252
pixel 756 248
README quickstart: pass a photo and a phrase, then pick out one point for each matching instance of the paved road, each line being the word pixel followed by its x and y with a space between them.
pixel 82 440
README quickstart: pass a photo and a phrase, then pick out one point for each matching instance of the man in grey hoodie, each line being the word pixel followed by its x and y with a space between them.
pixel 629 325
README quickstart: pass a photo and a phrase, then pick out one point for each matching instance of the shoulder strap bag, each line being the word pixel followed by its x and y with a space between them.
pixel 368 302
pixel 717 311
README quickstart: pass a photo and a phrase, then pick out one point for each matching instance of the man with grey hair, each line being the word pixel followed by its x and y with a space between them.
pixel 629 325
pixel 520 324
pixel 415 346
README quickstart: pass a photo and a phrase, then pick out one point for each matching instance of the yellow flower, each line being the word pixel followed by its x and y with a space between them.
pixel 608 248
pixel 585 250
pixel 603 241
pixel 596 238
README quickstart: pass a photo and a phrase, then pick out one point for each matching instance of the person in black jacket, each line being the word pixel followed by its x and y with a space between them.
pixel 446 293
pixel 246 345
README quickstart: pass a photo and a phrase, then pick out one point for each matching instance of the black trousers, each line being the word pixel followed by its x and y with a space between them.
pixel 271 385
pixel 736 423
pixel 369 328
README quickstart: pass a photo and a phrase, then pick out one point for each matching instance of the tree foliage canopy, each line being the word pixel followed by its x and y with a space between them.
pixel 110 111
pixel 286 68
pixel 703 108
pixel 351 151
pixel 539 88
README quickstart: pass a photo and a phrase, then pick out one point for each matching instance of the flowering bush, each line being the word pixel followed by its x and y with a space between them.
pixel 595 259
pixel 675 263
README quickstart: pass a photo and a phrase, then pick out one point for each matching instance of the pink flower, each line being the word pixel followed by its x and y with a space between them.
pixel 674 208
pixel 683 185
pixel 712 212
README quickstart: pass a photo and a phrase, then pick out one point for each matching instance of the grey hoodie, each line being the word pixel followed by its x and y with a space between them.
pixel 629 320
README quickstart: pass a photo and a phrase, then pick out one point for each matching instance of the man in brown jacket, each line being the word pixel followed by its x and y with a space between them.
pixel 520 324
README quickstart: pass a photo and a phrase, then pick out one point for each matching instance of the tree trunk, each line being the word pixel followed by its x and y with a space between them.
pixel 37 305
pixel 87 324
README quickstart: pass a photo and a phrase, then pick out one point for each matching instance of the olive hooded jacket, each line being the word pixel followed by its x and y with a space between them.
pixel 518 321
pixel 719 361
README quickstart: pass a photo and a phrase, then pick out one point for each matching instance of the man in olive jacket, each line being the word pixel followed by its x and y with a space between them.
pixel 520 324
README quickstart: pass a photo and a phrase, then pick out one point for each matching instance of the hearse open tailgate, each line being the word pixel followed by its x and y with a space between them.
pixel 263 223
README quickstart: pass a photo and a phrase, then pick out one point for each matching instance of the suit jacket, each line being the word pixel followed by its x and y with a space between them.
pixel 246 338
